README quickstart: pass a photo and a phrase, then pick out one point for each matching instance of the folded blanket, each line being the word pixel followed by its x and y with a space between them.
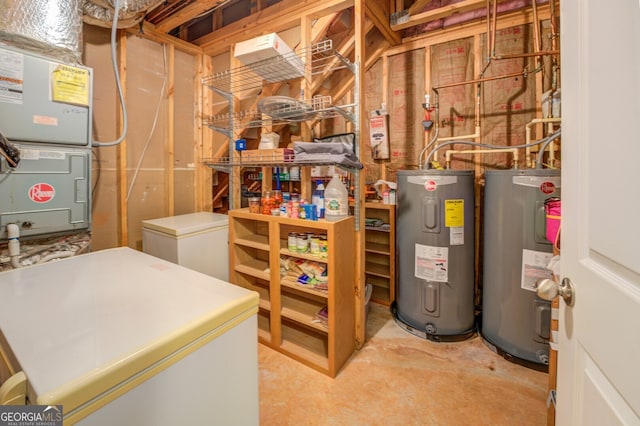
pixel 336 153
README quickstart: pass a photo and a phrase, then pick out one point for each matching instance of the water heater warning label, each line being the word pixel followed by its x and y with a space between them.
pixel 534 268
pixel 454 213
pixel 432 263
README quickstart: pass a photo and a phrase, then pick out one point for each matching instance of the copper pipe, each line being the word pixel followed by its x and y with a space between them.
pixel 479 80
pixel 536 27
pixel 536 32
pixel 554 30
pixel 488 30
pixel 554 46
pixel 526 55
pixel 495 26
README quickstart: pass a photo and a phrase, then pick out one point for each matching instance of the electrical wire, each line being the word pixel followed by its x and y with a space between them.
pixel 153 125
pixel 96 154
pixel 114 30
pixel 545 143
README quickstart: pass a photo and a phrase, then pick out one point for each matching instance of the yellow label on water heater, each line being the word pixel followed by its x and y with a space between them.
pixel 454 213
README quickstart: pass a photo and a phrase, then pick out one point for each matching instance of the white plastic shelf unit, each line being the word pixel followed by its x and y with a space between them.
pixel 319 60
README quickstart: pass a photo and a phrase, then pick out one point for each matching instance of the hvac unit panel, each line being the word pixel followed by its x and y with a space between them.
pixel 49 191
pixel 514 319
pixel 42 100
pixel 435 248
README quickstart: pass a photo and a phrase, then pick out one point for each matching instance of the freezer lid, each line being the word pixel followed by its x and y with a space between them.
pixel 187 223
pixel 83 325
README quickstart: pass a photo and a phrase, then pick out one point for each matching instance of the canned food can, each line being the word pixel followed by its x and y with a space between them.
pixel 292 241
pixel 302 243
pixel 314 245
pixel 324 247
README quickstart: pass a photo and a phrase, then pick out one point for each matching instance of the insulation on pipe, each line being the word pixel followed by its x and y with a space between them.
pixel 48 27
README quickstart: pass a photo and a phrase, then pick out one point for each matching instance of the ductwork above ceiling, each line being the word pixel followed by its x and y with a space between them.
pixel 100 12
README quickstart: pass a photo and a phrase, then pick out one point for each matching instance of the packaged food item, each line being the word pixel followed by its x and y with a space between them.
pixel 314 245
pixel 268 202
pixel 302 243
pixel 278 196
pixel 292 241
pixel 254 204
pixel 324 247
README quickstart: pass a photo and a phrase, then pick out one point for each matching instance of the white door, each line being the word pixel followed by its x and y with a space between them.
pixel 599 337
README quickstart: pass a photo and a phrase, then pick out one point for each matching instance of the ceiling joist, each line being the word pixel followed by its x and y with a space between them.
pixel 148 31
pixel 279 17
pixel 379 13
pixel 188 13
pixel 431 15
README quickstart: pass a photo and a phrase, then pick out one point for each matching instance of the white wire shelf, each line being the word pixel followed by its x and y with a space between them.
pixel 317 108
pixel 266 160
pixel 305 62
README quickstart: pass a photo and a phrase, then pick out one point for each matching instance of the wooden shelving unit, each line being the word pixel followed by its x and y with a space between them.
pixel 287 317
pixel 380 253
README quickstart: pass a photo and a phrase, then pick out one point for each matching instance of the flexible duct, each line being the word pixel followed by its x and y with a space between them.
pixel 49 27
pixel 100 12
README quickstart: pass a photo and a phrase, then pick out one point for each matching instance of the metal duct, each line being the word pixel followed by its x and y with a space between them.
pixel 49 27
pixel 100 12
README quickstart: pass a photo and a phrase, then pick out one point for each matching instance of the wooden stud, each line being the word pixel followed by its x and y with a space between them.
pixel 170 143
pixel 478 65
pixel 202 143
pixel 123 211
pixel 360 58
pixel 385 100
pixel 149 32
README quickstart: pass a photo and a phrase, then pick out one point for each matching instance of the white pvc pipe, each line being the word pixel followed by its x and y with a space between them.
pixel 13 232
pixel 513 151
pixel 528 127
pixel 476 135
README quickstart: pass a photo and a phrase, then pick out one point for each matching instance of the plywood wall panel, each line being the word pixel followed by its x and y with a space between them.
pixel 147 74
pixel 97 55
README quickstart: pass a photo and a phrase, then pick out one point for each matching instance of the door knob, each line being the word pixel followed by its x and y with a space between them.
pixel 548 289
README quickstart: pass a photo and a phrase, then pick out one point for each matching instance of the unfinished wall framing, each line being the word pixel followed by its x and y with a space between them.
pixel 157 170
pixel 455 55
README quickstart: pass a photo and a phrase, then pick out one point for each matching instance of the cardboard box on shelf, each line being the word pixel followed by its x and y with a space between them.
pixel 277 155
pixel 282 64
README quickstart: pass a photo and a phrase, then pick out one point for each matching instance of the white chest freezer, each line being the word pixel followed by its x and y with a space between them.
pixel 199 241
pixel 118 337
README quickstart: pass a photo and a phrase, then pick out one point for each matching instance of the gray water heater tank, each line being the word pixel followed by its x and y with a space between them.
pixel 515 321
pixel 435 250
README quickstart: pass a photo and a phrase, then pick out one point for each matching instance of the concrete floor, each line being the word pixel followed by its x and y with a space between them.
pixel 400 379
